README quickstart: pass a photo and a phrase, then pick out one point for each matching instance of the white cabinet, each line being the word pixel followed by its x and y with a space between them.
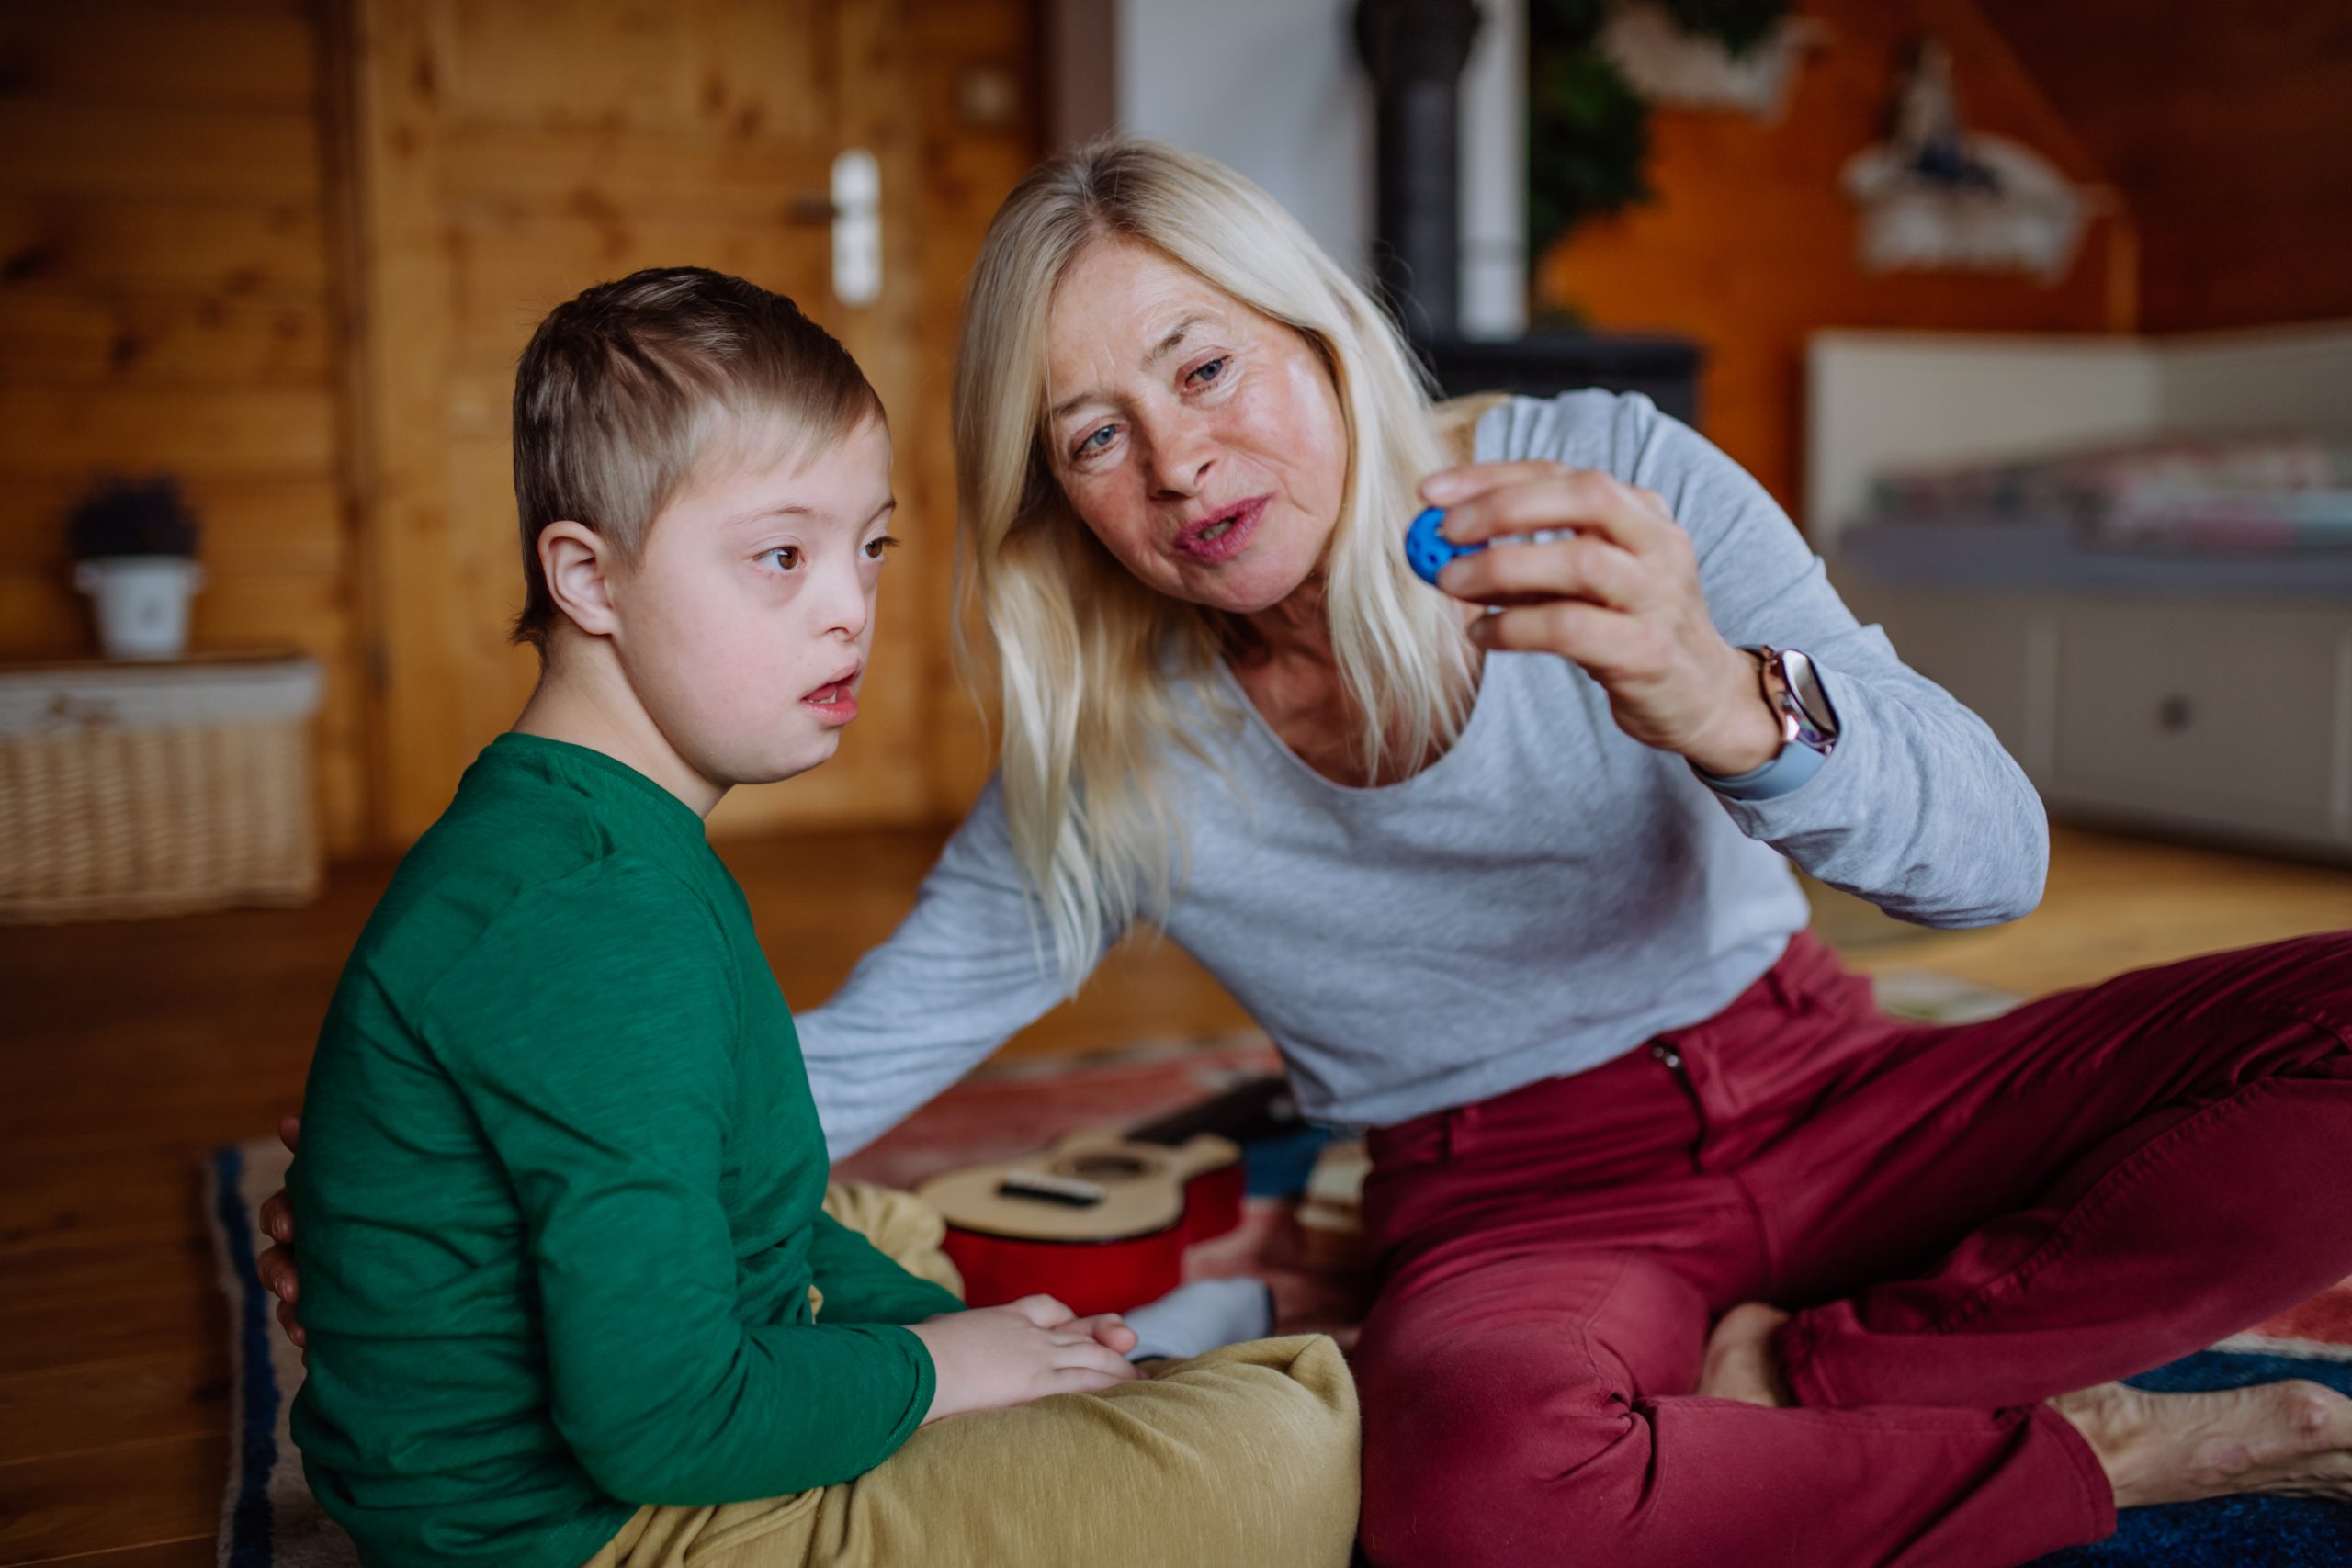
pixel 2229 718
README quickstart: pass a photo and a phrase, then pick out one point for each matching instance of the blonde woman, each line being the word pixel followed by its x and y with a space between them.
pixel 1689 1254
pixel 1512 890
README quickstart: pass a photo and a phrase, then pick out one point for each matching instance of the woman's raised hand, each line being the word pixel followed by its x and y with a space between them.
pixel 1618 594
pixel 989 1358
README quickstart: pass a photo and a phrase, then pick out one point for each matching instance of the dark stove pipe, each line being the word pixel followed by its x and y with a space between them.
pixel 1415 51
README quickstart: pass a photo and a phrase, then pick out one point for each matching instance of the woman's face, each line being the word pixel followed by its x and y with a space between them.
pixel 1200 441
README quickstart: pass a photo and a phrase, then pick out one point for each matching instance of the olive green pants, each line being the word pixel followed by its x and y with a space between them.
pixel 1244 1456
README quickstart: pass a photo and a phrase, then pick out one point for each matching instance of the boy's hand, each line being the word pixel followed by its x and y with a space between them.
pixel 276 1267
pixel 990 1358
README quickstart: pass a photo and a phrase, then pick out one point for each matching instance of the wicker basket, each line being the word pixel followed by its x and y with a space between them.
pixel 133 790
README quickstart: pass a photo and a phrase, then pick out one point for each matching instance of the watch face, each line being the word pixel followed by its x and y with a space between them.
pixel 1817 719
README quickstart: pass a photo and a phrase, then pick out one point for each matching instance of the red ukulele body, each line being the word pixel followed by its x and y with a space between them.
pixel 1098 1222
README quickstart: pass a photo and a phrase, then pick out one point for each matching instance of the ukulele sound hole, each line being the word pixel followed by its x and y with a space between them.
pixel 1105 1167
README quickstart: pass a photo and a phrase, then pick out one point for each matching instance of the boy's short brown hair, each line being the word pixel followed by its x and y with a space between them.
pixel 623 388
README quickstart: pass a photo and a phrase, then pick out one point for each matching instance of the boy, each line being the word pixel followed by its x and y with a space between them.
pixel 568 1290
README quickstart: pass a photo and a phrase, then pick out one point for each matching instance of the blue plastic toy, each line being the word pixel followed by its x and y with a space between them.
pixel 1428 550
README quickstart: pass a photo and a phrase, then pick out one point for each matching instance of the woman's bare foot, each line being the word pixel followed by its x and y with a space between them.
pixel 1741 1363
pixel 2287 1438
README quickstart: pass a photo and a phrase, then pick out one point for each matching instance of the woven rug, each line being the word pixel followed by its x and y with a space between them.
pixel 270 1520
pixel 267 1515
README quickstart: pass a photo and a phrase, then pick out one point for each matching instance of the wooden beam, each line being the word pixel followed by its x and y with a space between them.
pixel 400 459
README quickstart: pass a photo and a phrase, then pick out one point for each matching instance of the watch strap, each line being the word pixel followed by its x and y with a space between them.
pixel 1784 775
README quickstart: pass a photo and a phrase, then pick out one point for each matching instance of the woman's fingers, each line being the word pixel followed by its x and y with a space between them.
pixel 278 1217
pixel 277 1274
pixel 1603 641
pixel 1492 499
pixel 275 1269
pixel 289 1131
pixel 1582 567
pixel 1636 620
pixel 1450 486
pixel 286 1321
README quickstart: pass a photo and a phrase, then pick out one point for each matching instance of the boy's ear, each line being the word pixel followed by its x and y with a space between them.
pixel 578 563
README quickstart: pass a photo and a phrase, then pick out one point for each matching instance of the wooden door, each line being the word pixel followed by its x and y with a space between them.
pixel 507 154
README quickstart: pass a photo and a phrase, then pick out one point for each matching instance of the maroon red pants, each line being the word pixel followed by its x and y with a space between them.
pixel 1968 1220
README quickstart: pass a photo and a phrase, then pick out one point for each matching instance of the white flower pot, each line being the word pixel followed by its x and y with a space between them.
pixel 142 603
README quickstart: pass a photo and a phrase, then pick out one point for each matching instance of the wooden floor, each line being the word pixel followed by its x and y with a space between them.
pixel 130 1050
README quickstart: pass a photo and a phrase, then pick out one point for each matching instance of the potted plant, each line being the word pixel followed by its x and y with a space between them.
pixel 134 548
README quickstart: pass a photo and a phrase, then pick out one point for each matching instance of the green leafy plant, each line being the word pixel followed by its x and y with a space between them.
pixel 133 517
pixel 1587 130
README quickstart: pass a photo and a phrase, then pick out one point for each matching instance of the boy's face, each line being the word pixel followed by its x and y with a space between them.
pixel 744 624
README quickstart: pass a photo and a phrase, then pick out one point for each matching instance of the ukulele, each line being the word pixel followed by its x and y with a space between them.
pixel 1099 1221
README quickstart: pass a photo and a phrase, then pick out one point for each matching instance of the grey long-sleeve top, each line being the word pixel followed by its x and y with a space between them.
pixel 1547 896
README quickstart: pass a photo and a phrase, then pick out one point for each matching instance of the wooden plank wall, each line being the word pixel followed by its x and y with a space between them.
pixel 2228 127
pixel 168 303
pixel 197 197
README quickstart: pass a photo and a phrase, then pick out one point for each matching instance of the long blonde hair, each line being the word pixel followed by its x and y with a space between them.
pixel 1085 655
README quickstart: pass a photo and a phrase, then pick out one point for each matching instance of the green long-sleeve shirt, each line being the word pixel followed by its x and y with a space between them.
pixel 559 1195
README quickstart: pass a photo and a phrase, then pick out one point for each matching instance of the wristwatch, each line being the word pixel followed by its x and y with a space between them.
pixel 1793 690
pixel 1792 687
